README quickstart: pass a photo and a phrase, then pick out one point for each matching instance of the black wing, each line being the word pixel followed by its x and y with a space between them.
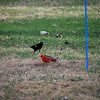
pixel 37 46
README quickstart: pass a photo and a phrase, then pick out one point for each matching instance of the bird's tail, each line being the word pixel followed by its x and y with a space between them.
pixel 56 58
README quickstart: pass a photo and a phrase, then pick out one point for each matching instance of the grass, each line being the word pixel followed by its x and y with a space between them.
pixel 22 33
pixel 23 72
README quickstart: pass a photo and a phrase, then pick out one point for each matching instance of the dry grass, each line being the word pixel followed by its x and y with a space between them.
pixel 27 79
pixel 20 12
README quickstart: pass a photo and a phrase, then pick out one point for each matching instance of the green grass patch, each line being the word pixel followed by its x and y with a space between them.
pixel 94 70
pixel 17 37
pixel 22 25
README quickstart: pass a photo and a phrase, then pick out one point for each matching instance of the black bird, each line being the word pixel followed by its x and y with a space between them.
pixel 37 46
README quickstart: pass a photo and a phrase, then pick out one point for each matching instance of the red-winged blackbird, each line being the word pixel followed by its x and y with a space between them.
pixel 37 46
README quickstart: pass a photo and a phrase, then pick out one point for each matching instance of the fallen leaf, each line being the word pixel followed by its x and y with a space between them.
pixel 58 35
pixel 62 8
pixel 65 84
pixel 72 79
pixel 66 42
pixel 75 16
pixel 2 20
pixel 54 25
pixel 54 4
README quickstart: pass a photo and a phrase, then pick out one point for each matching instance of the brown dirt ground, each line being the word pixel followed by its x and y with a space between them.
pixel 34 80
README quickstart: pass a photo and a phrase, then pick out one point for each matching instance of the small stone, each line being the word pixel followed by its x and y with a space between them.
pixel 73 32
pixel 65 98
pixel 44 32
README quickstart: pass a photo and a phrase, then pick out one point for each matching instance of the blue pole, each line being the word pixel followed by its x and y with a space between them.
pixel 86 35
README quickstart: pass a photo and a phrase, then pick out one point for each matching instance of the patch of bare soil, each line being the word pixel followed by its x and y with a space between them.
pixel 34 80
